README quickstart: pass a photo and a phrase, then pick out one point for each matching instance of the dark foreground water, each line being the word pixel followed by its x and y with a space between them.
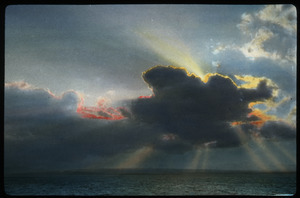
pixel 198 183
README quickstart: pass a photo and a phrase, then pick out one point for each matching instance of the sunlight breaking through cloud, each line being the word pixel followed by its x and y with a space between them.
pixel 172 50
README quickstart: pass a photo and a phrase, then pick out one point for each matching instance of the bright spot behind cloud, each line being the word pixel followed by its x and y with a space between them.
pixel 171 49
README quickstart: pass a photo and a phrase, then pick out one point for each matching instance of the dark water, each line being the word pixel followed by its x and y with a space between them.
pixel 152 184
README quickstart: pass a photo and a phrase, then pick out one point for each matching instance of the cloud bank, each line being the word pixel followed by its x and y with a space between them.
pixel 43 131
pixel 46 132
pixel 194 111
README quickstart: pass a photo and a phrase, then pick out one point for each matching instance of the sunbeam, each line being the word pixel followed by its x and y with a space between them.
pixel 285 152
pixel 205 158
pixel 172 50
pixel 268 154
pixel 254 157
pixel 136 158
pixel 195 161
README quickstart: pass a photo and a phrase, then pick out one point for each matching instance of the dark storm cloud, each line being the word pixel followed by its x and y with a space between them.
pixel 276 130
pixel 45 132
pixel 195 111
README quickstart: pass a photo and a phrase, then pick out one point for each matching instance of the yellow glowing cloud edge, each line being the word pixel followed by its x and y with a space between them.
pixel 251 82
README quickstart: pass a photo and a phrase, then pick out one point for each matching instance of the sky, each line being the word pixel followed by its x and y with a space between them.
pixel 150 86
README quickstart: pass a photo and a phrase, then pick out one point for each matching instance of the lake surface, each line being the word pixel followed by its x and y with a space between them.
pixel 175 183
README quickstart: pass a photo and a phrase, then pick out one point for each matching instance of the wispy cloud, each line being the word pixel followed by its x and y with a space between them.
pixel 271 33
pixel 255 48
pixel 284 16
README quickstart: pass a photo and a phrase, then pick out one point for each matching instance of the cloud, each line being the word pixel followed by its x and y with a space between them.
pixel 24 100
pixel 292 115
pixel 250 82
pixel 271 33
pixel 195 111
pixel 268 48
pixel 282 15
pixel 44 132
pixel 255 48
pixel 246 21
pixel 221 48
pixel 276 130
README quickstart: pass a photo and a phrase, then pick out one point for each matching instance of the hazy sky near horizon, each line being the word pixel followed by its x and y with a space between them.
pixel 56 56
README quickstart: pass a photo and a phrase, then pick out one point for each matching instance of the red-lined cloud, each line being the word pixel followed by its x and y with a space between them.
pixel 45 131
pixel 146 96
pixel 101 111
